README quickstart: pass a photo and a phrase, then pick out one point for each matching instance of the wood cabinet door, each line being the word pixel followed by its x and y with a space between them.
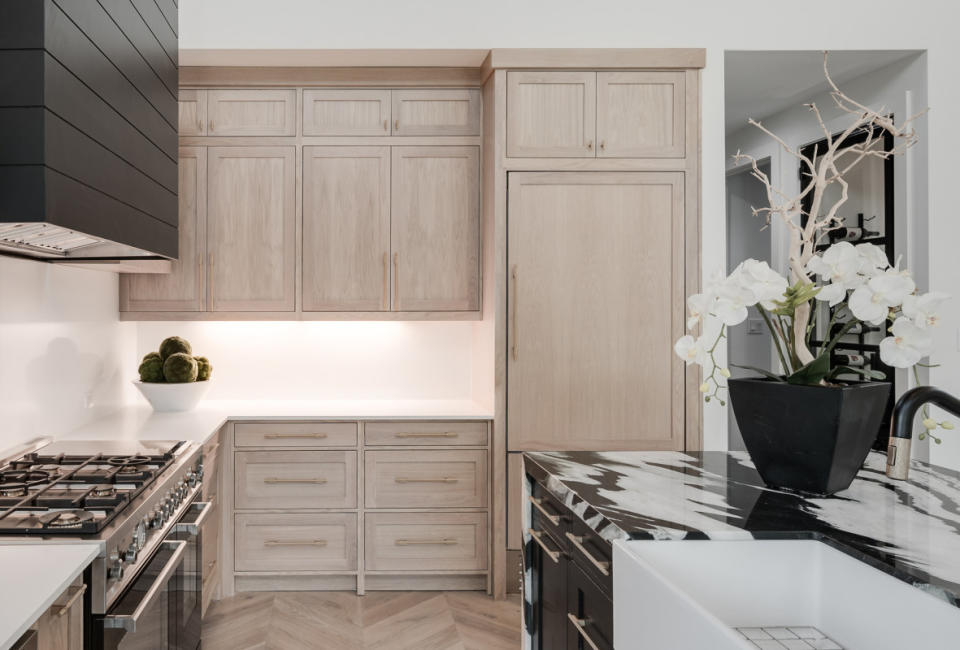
pixel 346 229
pixel 641 114
pixel 435 229
pixel 346 112
pixel 251 228
pixel 595 303
pixel 551 114
pixel 453 111
pixel 182 289
pixel 252 112
pixel 193 112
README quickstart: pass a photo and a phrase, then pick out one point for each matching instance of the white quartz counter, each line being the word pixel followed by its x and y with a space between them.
pixel 34 575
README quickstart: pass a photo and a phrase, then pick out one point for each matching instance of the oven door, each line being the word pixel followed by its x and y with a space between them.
pixel 147 616
pixel 188 588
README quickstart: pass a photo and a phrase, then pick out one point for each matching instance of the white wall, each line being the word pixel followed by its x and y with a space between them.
pixel 735 24
pixel 64 357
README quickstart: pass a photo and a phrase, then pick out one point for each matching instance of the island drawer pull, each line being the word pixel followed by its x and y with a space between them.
pixel 314 481
pixel 446 541
pixel 295 542
pixel 279 436
pixel 439 479
pixel 63 611
pixel 538 504
pixel 603 567
pixel 538 538
pixel 427 434
pixel 581 624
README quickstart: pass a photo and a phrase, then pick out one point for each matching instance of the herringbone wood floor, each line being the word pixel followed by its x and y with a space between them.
pixel 381 620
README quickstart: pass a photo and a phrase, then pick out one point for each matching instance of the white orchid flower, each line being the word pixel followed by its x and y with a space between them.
pixel 839 264
pixel 907 346
pixel 732 301
pixel 764 283
pixel 834 293
pixel 700 306
pixel 873 259
pixel 922 310
pixel 871 302
pixel 691 350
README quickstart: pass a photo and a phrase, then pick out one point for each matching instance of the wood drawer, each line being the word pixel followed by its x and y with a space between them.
pixel 252 112
pixel 425 433
pixel 295 479
pixel 426 479
pixel 591 623
pixel 295 434
pixel 299 542
pixel 425 541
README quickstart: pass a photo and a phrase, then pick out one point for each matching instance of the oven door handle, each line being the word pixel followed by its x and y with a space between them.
pixel 128 622
pixel 193 527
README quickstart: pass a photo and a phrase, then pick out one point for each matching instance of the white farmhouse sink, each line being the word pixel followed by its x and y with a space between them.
pixel 694 595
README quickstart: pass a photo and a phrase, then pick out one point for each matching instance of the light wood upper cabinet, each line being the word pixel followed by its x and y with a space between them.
pixel 251 228
pixel 595 302
pixel 436 112
pixel 193 112
pixel 183 288
pixel 551 114
pixel 640 114
pixel 346 228
pixel 252 112
pixel 435 228
pixel 346 112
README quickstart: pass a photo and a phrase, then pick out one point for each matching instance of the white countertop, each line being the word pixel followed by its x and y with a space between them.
pixel 34 575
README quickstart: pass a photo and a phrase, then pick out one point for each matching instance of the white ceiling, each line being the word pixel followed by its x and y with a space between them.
pixel 761 83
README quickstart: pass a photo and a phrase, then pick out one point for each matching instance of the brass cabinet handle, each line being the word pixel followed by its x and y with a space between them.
pixel 210 298
pixel 199 126
pixel 396 279
pixel 295 542
pixel 603 145
pixel 314 481
pixel 386 125
pixel 427 434
pixel 446 541
pixel 386 280
pixel 200 297
pixel 277 436
pixel 590 145
pixel 396 124
pixel 538 538
pixel 581 624
pixel 210 126
pixel 538 504
pixel 603 567
pixel 65 609
pixel 515 344
pixel 439 479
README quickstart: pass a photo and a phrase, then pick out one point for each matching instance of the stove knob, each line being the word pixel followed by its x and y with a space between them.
pixel 115 571
pixel 199 471
pixel 192 479
pixel 130 555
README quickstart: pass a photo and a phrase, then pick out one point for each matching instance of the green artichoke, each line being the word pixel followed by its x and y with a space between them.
pixel 151 369
pixel 204 368
pixel 173 345
pixel 180 368
pixel 152 355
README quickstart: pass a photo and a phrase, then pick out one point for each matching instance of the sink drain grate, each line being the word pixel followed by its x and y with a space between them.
pixel 800 637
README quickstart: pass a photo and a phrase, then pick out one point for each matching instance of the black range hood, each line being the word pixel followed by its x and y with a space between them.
pixel 88 128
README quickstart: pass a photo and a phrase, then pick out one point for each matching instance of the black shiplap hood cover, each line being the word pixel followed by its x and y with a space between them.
pixel 88 128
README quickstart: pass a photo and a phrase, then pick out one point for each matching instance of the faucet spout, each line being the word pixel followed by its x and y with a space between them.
pixel 901 425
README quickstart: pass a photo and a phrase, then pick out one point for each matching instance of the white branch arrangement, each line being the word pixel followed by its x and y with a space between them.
pixel 859 279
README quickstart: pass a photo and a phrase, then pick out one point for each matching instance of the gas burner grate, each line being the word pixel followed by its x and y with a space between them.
pixel 66 518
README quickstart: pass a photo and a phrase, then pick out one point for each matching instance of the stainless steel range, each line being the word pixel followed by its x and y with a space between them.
pixel 138 500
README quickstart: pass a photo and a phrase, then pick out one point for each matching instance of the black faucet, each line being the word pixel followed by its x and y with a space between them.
pixel 901 425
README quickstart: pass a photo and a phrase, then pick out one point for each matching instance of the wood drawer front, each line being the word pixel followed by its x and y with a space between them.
pixel 591 608
pixel 295 434
pixel 425 433
pixel 346 112
pixel 252 112
pixel 296 479
pixel 454 111
pixel 210 544
pixel 426 479
pixel 425 541
pixel 321 542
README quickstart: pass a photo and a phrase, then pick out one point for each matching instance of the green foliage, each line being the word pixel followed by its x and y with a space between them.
pixel 798 294
pixel 151 369
pixel 180 368
pixel 204 368
pixel 173 345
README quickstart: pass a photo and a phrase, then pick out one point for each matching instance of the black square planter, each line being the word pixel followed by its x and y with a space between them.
pixel 813 439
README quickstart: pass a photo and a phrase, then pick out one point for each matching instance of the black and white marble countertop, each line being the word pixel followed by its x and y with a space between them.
pixel 910 529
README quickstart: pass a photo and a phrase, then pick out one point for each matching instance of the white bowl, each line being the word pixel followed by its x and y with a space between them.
pixel 173 397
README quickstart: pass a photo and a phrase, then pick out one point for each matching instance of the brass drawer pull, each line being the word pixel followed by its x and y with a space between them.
pixel 538 538
pixel 396 280
pixel 294 436
pixel 446 541
pixel 538 504
pixel 386 125
pixel 442 479
pixel 396 125
pixel 603 567
pixel 427 434
pixel 63 611
pixel 295 542
pixel 386 277
pixel 515 343
pixel 314 481
pixel 581 624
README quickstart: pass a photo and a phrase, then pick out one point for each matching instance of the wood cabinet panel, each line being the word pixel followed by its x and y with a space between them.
pixel 183 288
pixel 425 479
pixel 595 302
pixel 61 626
pixel 252 112
pixel 210 552
pixel 302 435
pixel 641 114
pixel 346 229
pixel 298 542
pixel 435 228
pixel 425 541
pixel 251 228
pixel 436 112
pixel 551 114
pixel 192 112
pixel 346 112
pixel 295 479
pixel 412 434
